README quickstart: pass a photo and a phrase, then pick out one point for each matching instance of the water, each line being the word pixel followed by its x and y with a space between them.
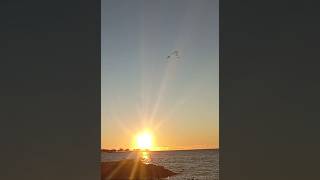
pixel 191 164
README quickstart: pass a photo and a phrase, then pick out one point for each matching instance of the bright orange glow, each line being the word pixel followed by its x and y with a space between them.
pixel 144 141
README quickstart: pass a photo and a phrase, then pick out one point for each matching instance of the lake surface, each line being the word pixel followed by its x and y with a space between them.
pixel 191 164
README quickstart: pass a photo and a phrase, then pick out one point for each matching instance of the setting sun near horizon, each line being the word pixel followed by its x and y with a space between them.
pixel 143 141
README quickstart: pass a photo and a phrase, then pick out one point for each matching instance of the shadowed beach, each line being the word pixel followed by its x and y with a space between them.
pixel 133 169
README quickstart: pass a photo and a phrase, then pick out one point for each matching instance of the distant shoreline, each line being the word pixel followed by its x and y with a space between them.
pixel 121 151
pixel 187 149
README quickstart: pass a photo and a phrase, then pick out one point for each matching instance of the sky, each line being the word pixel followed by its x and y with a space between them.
pixel 177 100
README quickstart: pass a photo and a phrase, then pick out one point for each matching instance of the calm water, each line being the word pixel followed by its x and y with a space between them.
pixel 191 164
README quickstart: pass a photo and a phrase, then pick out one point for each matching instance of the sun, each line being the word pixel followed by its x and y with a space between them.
pixel 144 141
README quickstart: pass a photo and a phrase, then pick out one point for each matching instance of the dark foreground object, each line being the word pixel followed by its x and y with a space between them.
pixel 136 169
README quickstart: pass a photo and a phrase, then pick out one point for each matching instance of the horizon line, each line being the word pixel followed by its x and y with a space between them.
pixel 127 149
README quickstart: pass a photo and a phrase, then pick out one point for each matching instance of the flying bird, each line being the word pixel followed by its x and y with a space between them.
pixel 174 54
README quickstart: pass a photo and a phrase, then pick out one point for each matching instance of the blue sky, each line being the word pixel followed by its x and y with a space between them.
pixel 177 99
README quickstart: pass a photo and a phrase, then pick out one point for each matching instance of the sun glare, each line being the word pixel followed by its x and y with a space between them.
pixel 144 141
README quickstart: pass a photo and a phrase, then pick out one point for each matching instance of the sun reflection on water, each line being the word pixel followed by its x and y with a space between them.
pixel 145 157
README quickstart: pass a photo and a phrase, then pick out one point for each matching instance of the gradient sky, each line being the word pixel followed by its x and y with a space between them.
pixel 177 100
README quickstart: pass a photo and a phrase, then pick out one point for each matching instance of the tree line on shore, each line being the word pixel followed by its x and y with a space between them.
pixel 119 150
